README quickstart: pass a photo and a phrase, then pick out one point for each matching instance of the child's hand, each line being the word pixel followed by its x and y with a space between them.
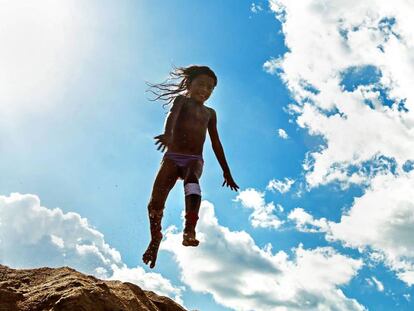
pixel 163 141
pixel 229 182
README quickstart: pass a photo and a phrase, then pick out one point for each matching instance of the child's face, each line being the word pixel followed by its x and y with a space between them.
pixel 201 88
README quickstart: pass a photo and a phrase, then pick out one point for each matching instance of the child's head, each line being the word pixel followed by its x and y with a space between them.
pixel 202 76
pixel 192 72
pixel 201 85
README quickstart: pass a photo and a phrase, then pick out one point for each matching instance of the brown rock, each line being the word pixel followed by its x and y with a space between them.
pixel 65 289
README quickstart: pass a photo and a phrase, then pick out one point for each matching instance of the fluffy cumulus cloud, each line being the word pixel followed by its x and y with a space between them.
pixel 306 223
pixel 263 213
pixel 380 222
pixel 281 186
pixel 384 216
pixel 350 70
pixel 378 284
pixel 242 276
pixel 32 235
pixel 282 134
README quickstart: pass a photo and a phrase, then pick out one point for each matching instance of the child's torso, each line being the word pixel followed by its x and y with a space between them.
pixel 190 129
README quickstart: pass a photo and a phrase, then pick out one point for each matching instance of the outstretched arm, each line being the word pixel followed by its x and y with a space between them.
pixel 219 152
pixel 164 139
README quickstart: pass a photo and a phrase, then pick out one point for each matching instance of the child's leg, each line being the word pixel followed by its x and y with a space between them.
pixel 164 182
pixel 192 202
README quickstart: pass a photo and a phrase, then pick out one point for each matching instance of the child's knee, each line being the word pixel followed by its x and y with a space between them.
pixel 155 208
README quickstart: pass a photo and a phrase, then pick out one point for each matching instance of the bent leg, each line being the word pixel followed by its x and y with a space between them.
pixel 192 202
pixel 164 182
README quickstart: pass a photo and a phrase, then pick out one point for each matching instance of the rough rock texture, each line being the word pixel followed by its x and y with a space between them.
pixel 65 289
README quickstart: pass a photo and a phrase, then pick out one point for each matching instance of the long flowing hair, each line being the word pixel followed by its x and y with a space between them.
pixel 178 82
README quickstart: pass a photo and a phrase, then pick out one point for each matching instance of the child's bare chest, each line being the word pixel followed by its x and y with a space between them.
pixel 194 116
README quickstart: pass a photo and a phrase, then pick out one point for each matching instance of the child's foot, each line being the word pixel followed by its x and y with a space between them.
pixel 189 239
pixel 150 255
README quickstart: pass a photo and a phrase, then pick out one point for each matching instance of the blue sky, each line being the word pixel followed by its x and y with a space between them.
pixel 76 141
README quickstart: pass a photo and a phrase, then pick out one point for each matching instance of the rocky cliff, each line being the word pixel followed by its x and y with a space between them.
pixel 65 289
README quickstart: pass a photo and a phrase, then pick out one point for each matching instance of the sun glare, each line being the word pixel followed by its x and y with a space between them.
pixel 36 39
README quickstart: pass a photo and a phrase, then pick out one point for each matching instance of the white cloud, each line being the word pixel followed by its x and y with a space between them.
pixel 383 220
pixel 367 125
pixel 306 223
pixel 282 134
pixel 280 208
pixel 378 284
pixel 32 236
pixel 256 8
pixel 263 213
pixel 242 276
pixel 327 38
pixel 280 186
pixel 374 282
pixel 380 222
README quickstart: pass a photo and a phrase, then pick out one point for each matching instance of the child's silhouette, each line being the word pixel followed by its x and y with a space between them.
pixel 184 135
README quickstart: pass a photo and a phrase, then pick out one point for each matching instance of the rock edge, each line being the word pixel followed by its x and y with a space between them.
pixel 65 289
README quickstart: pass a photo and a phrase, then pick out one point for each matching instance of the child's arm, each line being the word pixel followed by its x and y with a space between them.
pixel 219 152
pixel 164 139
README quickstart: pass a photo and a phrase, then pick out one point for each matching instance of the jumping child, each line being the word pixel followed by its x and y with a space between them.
pixel 184 135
